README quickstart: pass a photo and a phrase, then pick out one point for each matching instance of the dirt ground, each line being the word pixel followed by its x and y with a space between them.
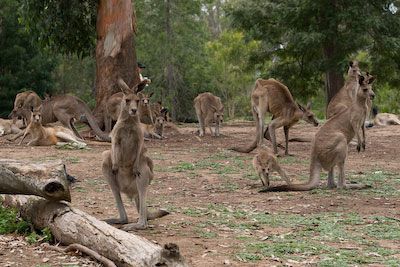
pixel 218 218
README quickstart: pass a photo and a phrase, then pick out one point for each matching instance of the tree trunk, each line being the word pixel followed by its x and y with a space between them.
pixel 333 83
pixel 72 226
pixel 115 51
pixel 48 180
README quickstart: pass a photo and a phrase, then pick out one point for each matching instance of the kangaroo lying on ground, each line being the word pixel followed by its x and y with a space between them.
pixel 264 163
pixel 209 108
pixel 274 97
pixel 156 130
pixel 23 104
pixel 331 141
pixel 384 119
pixel 126 167
pixel 9 127
pixel 47 136
pixel 66 109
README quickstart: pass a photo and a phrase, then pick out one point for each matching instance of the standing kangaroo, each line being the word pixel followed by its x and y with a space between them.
pixel 209 108
pixel 346 95
pixel 66 109
pixel 274 97
pixel 126 167
pixel 331 141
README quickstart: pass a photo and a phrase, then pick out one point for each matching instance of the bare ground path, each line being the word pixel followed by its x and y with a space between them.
pixel 218 218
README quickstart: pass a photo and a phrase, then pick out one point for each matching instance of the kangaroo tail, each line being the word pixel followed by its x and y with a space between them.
pixel 93 124
pixel 315 170
pixel 151 215
pixel 246 149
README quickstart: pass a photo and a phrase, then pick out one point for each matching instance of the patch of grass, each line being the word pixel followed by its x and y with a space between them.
pixel 206 234
pixel 247 257
pixel 384 184
pixel 383 228
pixel 73 159
pixel 183 167
pixel 10 222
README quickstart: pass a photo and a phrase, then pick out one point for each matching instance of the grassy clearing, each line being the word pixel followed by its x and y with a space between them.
pixel 325 238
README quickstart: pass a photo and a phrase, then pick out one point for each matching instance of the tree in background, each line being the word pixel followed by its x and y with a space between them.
pixel 171 43
pixel 71 27
pixel 22 65
pixel 229 55
pixel 307 38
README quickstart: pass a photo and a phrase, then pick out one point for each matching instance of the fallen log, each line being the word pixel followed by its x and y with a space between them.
pixel 72 226
pixel 46 179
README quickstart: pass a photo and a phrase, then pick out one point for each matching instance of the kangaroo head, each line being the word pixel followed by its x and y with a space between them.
pixel 365 91
pixel 354 70
pixel 130 100
pixel 308 115
pixel 264 163
pixel 219 115
pixel 159 121
pixel 36 115
pixel 145 99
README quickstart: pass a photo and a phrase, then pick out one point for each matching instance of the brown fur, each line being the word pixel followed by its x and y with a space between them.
pixel 126 167
pixel 331 141
pixel 274 97
pixel 23 104
pixel 264 163
pixel 9 127
pixel 209 109
pixel 113 109
pixel 154 131
pixel 346 95
pixel 384 119
pixel 66 109
pixel 47 136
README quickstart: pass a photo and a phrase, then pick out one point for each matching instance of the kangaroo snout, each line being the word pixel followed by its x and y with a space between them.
pixel 132 112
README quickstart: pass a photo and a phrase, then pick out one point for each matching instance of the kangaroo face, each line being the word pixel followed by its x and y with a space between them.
pixel 130 103
pixel 365 91
pixel 308 115
pixel 144 99
pixel 159 121
pixel 219 117
pixel 36 116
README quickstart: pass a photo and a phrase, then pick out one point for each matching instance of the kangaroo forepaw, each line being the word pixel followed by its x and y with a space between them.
pixel 363 146
pixel 358 148
pixel 116 221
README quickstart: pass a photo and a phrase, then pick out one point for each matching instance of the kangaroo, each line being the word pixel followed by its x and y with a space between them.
pixel 155 130
pixel 23 104
pixel 330 145
pixel 144 108
pixel 264 163
pixel 47 136
pixel 209 108
pixel 113 105
pixel 66 109
pixel 344 98
pixel 9 127
pixel 384 119
pixel 126 167
pixel 274 97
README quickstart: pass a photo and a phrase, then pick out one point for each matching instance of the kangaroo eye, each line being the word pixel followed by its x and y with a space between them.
pixel 127 101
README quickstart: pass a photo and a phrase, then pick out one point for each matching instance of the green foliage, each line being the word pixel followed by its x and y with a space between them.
pixel 65 26
pixel 11 223
pixel 307 38
pixel 22 65
pixel 228 54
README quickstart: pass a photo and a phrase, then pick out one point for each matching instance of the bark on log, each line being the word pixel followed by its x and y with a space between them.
pixel 45 179
pixel 69 226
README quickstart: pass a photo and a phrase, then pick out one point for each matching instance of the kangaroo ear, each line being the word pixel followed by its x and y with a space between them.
pixel 308 105
pixel 151 94
pixel 164 110
pixel 351 63
pixel 371 79
pixel 124 87
pixel 301 107
pixel 140 95
pixel 361 79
